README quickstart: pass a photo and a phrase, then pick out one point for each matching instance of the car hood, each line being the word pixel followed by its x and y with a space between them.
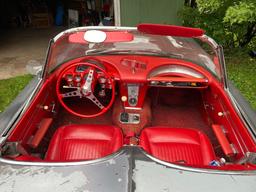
pixel 128 170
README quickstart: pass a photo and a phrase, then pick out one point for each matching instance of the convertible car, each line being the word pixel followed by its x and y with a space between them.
pixel 146 108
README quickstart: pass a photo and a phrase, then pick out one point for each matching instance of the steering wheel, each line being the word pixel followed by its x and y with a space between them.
pixel 80 80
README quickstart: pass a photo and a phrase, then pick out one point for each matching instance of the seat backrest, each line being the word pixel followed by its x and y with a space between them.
pixel 84 142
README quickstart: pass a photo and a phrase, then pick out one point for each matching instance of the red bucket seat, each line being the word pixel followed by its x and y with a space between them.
pixel 84 142
pixel 177 145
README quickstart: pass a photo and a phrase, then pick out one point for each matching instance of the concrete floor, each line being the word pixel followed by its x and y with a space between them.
pixel 20 46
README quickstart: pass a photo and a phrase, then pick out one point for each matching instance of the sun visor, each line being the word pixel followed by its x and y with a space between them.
pixel 169 30
pixel 97 36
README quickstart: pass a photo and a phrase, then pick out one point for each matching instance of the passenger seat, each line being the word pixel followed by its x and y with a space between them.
pixel 178 145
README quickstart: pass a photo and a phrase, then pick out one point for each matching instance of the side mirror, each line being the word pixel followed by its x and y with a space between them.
pixel 34 67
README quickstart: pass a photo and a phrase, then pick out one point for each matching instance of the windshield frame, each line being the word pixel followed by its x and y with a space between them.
pixel 217 49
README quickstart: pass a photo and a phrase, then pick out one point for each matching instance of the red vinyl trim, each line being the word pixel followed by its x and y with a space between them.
pixel 170 30
pixel 223 140
pixel 84 142
pixel 177 144
pixel 43 127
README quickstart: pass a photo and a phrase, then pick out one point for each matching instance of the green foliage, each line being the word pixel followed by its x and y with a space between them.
pixel 209 6
pixel 241 71
pixel 211 24
pixel 244 12
pixel 231 23
pixel 10 88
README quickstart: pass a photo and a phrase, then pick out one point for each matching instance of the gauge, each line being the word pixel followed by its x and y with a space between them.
pixel 77 78
pixel 102 80
pixel 81 68
pixel 69 77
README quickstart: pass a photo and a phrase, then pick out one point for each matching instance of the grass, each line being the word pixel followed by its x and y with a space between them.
pixel 240 66
pixel 10 88
pixel 241 70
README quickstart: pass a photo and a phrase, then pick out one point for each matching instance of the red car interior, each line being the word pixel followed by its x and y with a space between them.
pixel 187 146
pixel 84 142
pixel 191 122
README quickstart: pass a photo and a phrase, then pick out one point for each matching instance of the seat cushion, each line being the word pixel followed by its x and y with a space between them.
pixel 177 145
pixel 84 142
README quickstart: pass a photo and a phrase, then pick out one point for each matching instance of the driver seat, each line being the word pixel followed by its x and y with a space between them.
pixel 84 142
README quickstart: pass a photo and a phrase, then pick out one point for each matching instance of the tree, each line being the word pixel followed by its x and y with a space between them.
pixel 231 22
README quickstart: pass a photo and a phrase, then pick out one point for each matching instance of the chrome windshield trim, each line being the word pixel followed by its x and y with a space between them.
pixel 209 40
pixel 219 52
pixel 77 29
pixel 223 66
pixel 47 55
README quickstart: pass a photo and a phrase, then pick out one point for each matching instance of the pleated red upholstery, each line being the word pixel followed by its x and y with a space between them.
pixel 177 145
pixel 84 142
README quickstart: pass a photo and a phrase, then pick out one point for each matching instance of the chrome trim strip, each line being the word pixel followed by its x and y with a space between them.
pixel 241 114
pixel 77 29
pixel 133 108
pixel 174 69
pixel 197 170
pixel 62 164
pixel 110 157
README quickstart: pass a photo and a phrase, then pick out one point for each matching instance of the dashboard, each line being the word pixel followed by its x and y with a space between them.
pixel 136 74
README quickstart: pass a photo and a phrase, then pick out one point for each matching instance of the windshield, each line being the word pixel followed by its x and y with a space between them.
pixel 66 48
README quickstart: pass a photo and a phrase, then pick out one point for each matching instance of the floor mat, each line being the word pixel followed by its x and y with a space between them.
pixel 65 118
pixel 177 116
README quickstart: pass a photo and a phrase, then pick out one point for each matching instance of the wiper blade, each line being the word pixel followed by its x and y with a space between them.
pixel 103 51
pixel 132 52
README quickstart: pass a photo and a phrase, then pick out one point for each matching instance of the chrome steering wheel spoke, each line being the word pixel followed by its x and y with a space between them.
pixel 76 93
pixel 95 101
pixel 87 89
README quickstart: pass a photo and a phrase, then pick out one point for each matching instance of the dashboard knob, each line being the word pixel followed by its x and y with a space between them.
pixel 132 101
pixel 124 98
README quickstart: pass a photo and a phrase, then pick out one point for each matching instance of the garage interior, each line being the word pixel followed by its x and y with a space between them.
pixel 26 27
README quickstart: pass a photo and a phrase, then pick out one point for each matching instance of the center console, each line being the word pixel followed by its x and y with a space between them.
pixel 133 93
